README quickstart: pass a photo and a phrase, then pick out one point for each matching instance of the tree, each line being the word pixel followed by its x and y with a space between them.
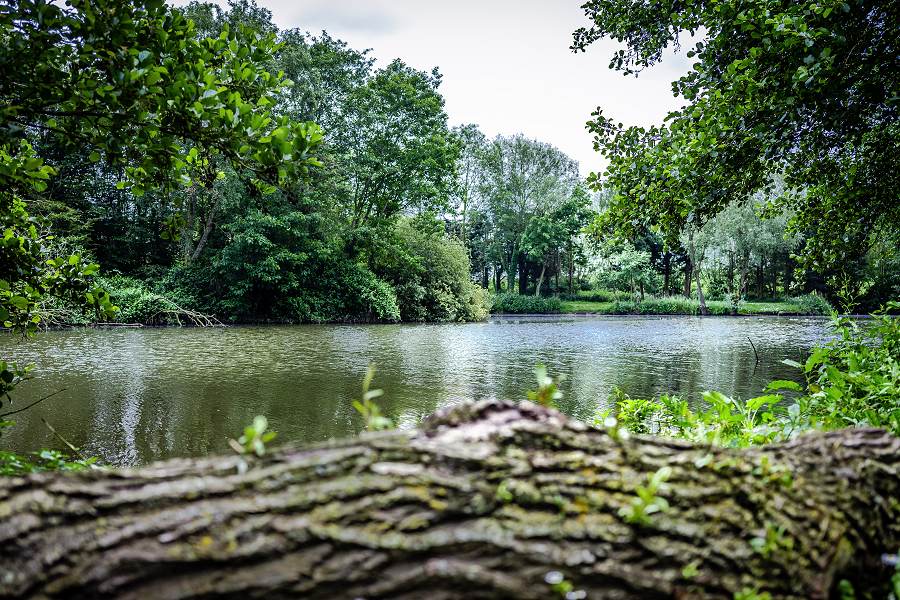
pixel 400 153
pixel 546 235
pixel 472 145
pixel 805 90
pixel 484 501
pixel 132 84
pixel 521 179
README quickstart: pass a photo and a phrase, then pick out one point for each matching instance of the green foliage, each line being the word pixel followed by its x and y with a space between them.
pixel 254 438
pixel 548 391
pixel 640 510
pixel 854 380
pixel 895 581
pixel 803 90
pixel 813 304
pixel 521 304
pixel 851 381
pixel 368 408
pixel 131 84
pixel 774 539
pixel 139 304
pixel 12 465
pixel 529 209
pixel 634 413
pixel 597 295
pixel 151 96
pixel 671 305
pixel 430 272
pixel 748 593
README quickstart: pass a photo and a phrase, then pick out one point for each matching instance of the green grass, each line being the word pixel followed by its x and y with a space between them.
pixel 605 302
pixel 586 306
pixel 688 307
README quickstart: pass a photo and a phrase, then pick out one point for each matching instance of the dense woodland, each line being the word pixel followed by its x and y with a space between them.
pixel 406 218
pixel 161 164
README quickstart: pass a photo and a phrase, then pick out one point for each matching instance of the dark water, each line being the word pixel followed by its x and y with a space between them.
pixel 137 395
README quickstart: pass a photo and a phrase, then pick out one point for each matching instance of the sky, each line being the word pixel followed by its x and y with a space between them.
pixel 506 64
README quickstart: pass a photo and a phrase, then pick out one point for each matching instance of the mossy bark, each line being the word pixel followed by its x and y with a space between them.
pixel 484 501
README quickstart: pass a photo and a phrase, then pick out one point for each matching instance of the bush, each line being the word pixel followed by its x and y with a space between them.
pixel 667 305
pixel 598 296
pixel 140 304
pixel 851 381
pixel 813 304
pixel 430 272
pixel 521 304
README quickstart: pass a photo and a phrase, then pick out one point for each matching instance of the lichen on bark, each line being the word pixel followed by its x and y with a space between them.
pixel 483 501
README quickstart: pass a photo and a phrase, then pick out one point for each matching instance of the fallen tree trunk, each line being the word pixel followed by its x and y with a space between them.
pixel 485 500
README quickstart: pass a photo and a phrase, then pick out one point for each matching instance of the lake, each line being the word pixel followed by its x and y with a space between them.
pixel 131 396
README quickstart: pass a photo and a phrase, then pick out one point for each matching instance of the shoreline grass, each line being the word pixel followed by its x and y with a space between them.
pixel 716 308
pixel 593 303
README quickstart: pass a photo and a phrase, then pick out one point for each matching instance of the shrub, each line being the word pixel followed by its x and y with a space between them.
pixel 598 296
pixel 813 304
pixel 522 304
pixel 667 305
pixel 852 381
pixel 430 272
pixel 140 304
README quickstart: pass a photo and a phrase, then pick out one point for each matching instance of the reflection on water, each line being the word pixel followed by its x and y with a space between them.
pixel 136 395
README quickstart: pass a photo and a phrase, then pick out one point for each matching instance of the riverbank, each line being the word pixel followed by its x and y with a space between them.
pixel 597 304
pixel 715 307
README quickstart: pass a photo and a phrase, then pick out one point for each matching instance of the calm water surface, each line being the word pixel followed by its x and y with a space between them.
pixel 137 395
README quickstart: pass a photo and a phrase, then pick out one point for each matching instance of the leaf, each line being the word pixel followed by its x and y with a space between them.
pixel 783 384
pixel 759 401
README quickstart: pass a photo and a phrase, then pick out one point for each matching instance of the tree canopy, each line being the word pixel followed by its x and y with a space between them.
pixel 807 91
pixel 131 84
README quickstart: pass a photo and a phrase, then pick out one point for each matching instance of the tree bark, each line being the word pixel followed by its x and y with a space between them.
pixel 688 272
pixel 667 271
pixel 523 275
pixel 540 281
pixel 487 500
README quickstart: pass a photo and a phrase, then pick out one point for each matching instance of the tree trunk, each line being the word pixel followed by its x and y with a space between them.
pixel 540 281
pixel 523 276
pixel 688 271
pixel 558 268
pixel 667 272
pixel 700 297
pixel 488 500
pixel 571 266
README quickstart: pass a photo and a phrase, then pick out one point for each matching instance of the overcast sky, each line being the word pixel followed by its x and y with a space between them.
pixel 506 64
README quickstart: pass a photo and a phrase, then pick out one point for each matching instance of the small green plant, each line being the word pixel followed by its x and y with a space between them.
pixel 368 408
pixel 691 570
pixel 774 538
pixel 254 439
pixel 562 587
pixel 548 391
pixel 635 413
pixel 12 464
pixel 895 578
pixel 749 593
pixel 647 502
